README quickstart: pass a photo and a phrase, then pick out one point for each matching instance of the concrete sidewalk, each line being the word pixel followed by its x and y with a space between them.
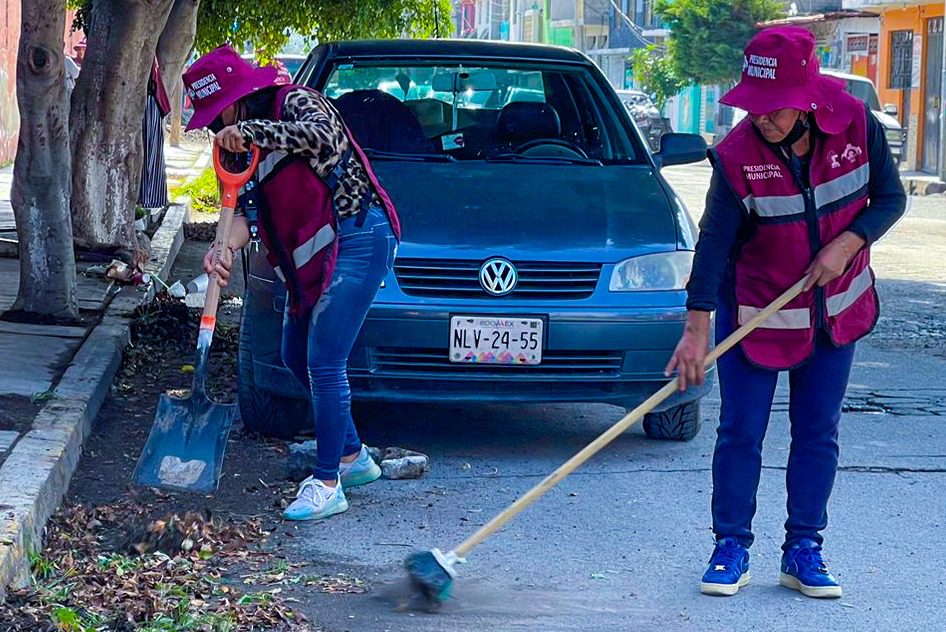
pixel 67 371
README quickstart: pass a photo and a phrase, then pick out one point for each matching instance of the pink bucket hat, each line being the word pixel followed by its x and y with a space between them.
pixel 221 78
pixel 780 69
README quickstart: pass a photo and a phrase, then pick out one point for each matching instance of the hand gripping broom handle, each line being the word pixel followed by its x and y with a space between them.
pixel 630 419
pixel 232 182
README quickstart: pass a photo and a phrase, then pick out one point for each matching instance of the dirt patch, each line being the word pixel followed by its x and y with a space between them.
pixel 204 228
pixel 17 413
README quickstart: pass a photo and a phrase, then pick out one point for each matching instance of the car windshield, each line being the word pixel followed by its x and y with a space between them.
pixel 864 90
pixel 480 112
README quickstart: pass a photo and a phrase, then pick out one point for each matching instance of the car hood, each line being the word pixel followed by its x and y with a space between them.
pixel 886 120
pixel 567 212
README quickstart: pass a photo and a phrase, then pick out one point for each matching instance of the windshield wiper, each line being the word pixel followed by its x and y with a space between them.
pixel 553 160
pixel 396 155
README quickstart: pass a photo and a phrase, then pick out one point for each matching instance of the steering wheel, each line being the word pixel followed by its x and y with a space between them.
pixel 553 142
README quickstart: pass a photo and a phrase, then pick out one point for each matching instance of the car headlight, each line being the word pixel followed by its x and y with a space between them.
pixel 661 271
pixel 894 135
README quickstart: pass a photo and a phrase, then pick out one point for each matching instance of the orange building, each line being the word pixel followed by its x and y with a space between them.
pixel 910 75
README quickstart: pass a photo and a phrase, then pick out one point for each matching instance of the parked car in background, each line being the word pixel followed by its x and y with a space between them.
pixel 645 114
pixel 861 88
pixel 543 259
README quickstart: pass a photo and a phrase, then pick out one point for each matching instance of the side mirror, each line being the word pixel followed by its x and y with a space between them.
pixel 680 149
pixel 891 109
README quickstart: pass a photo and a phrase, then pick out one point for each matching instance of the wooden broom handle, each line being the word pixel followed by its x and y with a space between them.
pixel 630 419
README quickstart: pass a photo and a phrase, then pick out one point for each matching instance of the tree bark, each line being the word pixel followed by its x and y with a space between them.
pixel 108 105
pixel 174 47
pixel 41 173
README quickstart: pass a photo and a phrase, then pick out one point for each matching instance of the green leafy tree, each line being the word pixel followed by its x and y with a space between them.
pixel 707 37
pixel 267 24
pixel 656 74
pixel 125 35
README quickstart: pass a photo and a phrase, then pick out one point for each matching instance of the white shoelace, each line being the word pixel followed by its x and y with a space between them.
pixel 312 488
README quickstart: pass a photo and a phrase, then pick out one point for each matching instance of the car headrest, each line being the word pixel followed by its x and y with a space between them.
pixel 522 121
pixel 380 121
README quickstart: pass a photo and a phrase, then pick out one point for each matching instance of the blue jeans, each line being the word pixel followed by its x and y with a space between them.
pixel 816 392
pixel 316 345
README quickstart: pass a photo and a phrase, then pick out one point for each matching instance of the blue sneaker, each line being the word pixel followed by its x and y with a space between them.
pixel 316 501
pixel 728 569
pixel 804 570
pixel 361 471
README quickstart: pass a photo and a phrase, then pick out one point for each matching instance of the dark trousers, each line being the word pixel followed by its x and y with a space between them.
pixel 816 394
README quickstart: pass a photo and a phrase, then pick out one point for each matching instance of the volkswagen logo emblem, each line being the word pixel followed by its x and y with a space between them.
pixel 498 277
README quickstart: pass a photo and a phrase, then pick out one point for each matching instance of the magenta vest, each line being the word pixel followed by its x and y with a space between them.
pixel 298 223
pixel 790 226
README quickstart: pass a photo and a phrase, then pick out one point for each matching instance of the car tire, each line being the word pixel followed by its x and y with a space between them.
pixel 262 412
pixel 680 423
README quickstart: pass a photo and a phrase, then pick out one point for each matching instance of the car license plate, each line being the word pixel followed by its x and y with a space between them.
pixel 495 340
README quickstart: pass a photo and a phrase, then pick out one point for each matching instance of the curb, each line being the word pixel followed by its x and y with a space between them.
pixel 36 473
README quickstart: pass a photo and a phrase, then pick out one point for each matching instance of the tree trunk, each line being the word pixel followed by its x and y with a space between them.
pixel 174 137
pixel 41 183
pixel 108 106
pixel 174 47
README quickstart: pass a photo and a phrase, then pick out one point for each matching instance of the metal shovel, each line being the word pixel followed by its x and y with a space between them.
pixel 189 437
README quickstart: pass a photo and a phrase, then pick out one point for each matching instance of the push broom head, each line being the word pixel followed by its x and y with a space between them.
pixel 431 574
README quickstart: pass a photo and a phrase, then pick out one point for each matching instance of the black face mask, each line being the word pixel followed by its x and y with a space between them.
pixel 798 130
pixel 216 125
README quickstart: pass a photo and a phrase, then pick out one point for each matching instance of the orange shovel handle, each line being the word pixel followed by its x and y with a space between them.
pixel 233 182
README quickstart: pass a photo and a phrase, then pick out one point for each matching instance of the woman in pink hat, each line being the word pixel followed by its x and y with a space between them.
pixel 330 232
pixel 802 186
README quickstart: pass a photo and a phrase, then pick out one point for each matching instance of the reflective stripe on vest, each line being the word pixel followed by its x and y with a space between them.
pixel 837 303
pixel 842 186
pixel 775 205
pixel 798 318
pixel 322 239
pixel 267 164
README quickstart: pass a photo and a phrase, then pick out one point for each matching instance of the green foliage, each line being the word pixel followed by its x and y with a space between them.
pixel 708 36
pixel 267 24
pixel 656 74
pixel 203 192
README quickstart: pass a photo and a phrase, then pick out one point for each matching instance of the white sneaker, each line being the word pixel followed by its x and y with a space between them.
pixel 316 500
pixel 361 471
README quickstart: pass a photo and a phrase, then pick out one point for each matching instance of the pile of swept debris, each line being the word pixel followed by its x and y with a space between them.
pixel 110 568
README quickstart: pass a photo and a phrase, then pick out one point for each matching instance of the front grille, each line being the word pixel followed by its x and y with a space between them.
pixel 393 362
pixel 448 278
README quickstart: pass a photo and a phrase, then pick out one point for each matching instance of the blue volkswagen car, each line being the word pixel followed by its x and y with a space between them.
pixel 543 259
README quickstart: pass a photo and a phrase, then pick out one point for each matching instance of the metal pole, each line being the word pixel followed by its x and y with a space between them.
pixel 942 103
pixel 580 25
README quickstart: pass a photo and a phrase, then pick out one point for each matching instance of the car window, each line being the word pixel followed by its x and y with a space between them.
pixel 864 90
pixel 479 112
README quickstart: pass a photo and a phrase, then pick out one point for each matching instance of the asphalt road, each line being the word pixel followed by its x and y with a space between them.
pixel 622 544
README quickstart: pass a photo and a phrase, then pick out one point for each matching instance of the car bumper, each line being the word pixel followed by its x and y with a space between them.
pixel 608 348
pixel 614 356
